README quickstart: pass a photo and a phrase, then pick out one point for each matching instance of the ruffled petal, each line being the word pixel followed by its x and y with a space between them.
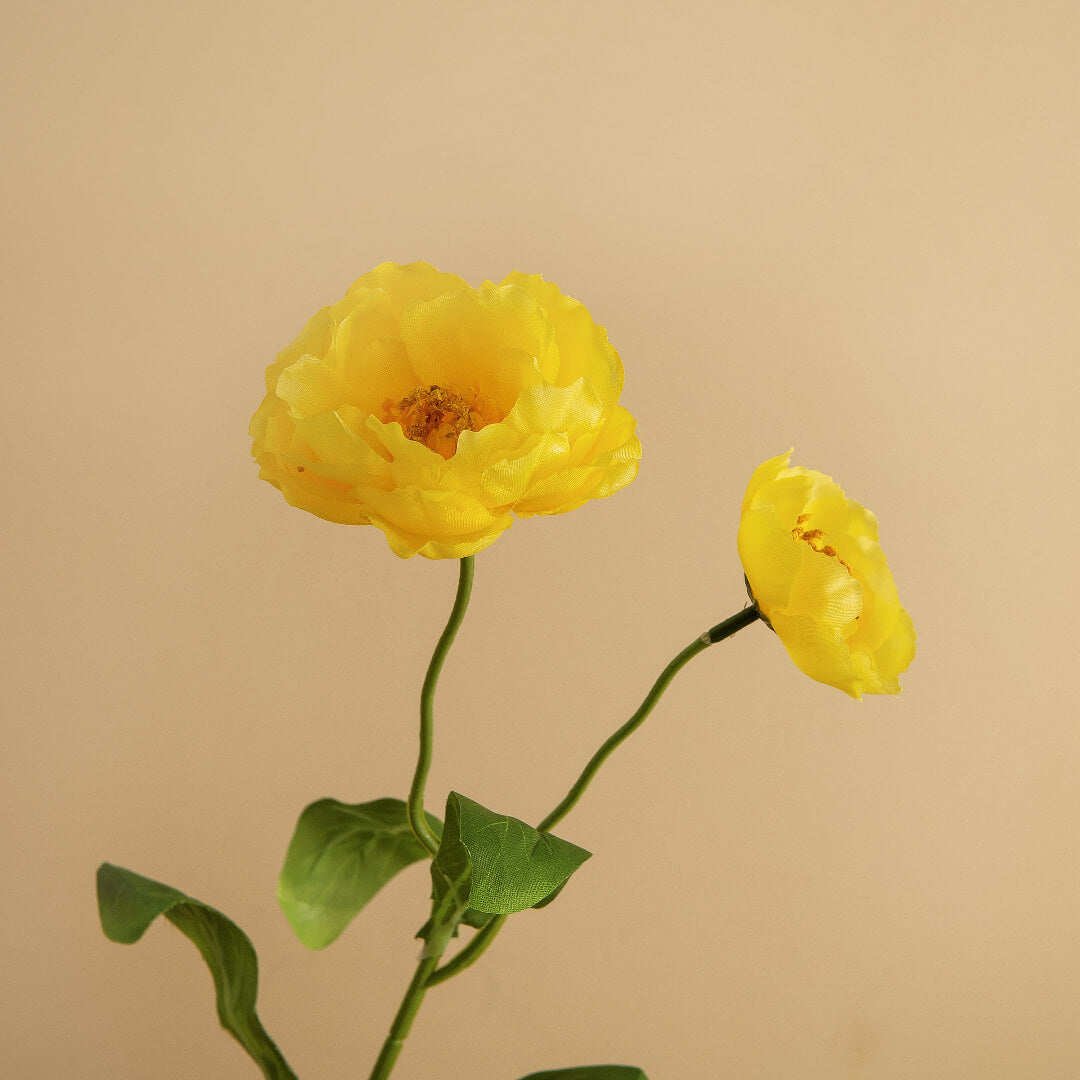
pixel 468 342
pixel 310 386
pixel 448 518
pixel 771 559
pixel 377 373
pixel 819 650
pixel 403 284
pixel 584 349
pixel 572 410
pixel 763 477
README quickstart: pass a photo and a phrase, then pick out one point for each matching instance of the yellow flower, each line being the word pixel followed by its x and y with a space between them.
pixel 435 411
pixel 818 575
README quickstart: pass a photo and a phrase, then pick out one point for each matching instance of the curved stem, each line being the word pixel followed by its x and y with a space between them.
pixel 414 808
pixel 710 637
pixel 483 938
pixel 399 1029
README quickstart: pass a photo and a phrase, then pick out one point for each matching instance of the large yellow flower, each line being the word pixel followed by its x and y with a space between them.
pixel 435 411
pixel 818 575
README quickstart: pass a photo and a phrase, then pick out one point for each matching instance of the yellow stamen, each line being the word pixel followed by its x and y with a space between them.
pixel 815 538
pixel 435 416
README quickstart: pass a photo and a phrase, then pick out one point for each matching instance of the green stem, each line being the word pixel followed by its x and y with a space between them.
pixel 710 637
pixel 414 809
pixel 483 938
pixel 470 953
pixel 399 1029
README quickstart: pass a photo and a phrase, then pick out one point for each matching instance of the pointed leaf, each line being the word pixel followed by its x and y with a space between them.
pixel 340 855
pixel 513 865
pixel 590 1072
pixel 128 903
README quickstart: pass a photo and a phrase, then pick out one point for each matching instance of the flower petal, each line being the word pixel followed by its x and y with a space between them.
pixel 415 517
pixel 584 349
pixel 404 284
pixel 310 386
pixel 819 650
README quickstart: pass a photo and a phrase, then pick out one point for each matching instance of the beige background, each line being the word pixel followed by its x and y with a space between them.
pixel 851 227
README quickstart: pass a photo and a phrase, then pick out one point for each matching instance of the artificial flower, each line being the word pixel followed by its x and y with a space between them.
pixel 819 578
pixel 438 412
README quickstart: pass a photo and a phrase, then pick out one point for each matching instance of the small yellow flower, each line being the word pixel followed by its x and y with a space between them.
pixel 816 571
pixel 435 411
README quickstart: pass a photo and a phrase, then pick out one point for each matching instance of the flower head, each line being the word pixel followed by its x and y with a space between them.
pixel 436 411
pixel 819 577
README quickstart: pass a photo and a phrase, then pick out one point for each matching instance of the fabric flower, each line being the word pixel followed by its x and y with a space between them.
pixel 436 411
pixel 814 567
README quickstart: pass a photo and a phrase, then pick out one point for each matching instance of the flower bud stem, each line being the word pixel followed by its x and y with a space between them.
pixel 733 624
pixel 483 938
pixel 710 637
pixel 414 808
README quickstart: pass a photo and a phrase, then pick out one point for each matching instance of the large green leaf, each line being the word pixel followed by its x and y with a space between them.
pixel 339 857
pixel 590 1072
pixel 513 866
pixel 128 903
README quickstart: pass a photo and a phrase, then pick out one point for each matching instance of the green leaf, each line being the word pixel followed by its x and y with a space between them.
pixel 491 864
pixel 339 857
pixel 129 903
pixel 590 1072
pixel 513 866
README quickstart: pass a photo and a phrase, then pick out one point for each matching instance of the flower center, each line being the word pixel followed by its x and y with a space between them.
pixel 816 539
pixel 436 416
